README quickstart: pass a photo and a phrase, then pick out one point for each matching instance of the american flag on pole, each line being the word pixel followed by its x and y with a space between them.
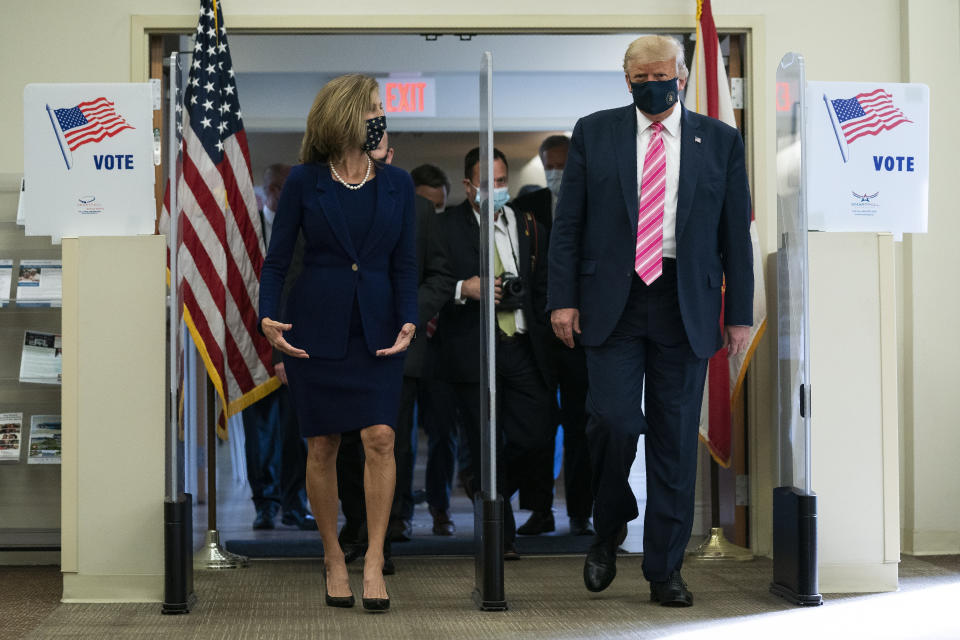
pixel 708 93
pixel 221 248
pixel 90 121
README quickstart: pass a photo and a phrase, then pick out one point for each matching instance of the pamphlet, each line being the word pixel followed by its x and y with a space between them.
pixel 6 278
pixel 11 429
pixel 39 283
pixel 41 360
pixel 45 445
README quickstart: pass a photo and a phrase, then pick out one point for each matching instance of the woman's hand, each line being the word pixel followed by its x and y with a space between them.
pixel 274 332
pixel 404 338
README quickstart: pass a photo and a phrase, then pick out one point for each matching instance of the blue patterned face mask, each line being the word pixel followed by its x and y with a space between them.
pixel 655 96
pixel 375 128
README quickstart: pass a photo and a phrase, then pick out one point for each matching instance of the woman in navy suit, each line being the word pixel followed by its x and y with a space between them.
pixel 351 314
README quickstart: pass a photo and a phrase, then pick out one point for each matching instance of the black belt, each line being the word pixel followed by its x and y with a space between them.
pixel 517 337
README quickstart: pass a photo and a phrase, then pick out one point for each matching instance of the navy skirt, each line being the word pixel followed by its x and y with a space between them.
pixel 351 393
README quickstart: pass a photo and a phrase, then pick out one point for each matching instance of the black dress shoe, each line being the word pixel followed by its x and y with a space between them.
pixel 510 552
pixel 580 527
pixel 600 566
pixel 442 524
pixel 300 520
pixel 400 530
pixel 538 522
pixel 671 593
pixel 264 520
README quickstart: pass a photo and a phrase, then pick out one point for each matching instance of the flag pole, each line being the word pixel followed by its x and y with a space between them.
pixel 211 555
pixel 59 134
pixel 841 141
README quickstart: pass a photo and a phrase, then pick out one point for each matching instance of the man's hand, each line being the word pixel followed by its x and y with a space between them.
pixel 274 332
pixel 565 323
pixel 736 339
pixel 472 289
pixel 281 372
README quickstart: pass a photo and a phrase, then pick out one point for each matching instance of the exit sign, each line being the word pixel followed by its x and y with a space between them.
pixel 410 97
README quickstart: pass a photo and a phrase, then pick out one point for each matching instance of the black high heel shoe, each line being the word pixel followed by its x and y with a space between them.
pixel 376 605
pixel 344 602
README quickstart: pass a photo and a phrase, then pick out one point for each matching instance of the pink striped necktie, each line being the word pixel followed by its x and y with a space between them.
pixel 653 188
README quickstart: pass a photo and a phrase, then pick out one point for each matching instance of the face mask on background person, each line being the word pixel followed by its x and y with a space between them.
pixel 554 176
pixel 501 196
pixel 655 96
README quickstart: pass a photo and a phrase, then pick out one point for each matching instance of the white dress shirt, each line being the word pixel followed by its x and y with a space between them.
pixel 506 239
pixel 268 217
pixel 671 143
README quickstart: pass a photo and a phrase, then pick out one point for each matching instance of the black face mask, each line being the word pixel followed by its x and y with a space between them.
pixel 375 128
pixel 655 96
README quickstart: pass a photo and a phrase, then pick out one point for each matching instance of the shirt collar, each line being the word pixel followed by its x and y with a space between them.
pixel 671 123
pixel 503 221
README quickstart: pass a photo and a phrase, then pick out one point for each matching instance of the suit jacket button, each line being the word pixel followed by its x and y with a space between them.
pixel 354 266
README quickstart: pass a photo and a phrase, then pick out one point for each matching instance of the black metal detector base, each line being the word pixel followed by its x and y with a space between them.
pixel 488 536
pixel 795 573
pixel 178 596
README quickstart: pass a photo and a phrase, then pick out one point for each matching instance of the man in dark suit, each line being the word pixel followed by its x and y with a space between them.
pixel 275 453
pixel 524 374
pixel 652 222
pixel 571 367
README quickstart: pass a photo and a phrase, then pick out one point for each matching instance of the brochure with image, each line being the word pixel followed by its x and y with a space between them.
pixel 45 445
pixel 41 360
pixel 11 434
pixel 39 283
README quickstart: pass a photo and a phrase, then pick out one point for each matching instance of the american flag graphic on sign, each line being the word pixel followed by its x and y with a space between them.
pixel 867 114
pixel 221 248
pixel 90 121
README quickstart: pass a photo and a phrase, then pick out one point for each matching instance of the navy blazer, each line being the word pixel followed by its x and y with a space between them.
pixel 593 240
pixel 381 273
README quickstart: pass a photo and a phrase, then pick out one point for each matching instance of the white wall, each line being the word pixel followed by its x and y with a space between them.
pixel 841 41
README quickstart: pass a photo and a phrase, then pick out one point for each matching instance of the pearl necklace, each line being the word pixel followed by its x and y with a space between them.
pixel 354 187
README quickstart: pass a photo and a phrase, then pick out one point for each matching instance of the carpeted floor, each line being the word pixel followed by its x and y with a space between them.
pixel 431 599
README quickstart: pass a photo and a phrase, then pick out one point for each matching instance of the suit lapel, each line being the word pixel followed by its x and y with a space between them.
pixel 691 152
pixel 330 205
pixel 386 212
pixel 624 132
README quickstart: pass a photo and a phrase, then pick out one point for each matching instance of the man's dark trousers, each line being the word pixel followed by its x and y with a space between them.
pixel 648 348
pixel 572 381
pixel 275 453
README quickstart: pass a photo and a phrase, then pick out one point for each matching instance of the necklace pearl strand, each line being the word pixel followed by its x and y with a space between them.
pixel 353 187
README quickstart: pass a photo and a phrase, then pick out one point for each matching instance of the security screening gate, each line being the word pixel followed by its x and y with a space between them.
pixel 488 592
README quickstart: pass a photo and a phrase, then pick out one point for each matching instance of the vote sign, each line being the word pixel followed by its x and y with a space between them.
pixel 88 159
pixel 867 156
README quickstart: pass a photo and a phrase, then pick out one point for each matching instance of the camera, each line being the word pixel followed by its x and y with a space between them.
pixel 513 288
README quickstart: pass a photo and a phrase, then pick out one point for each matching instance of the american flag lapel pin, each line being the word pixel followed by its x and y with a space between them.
pixel 697 139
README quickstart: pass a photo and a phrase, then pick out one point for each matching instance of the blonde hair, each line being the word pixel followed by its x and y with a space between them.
pixel 654 49
pixel 336 120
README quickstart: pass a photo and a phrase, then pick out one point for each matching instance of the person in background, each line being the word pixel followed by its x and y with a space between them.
pixel 275 453
pixel 571 372
pixel 352 312
pixel 523 371
pixel 436 407
pixel 651 263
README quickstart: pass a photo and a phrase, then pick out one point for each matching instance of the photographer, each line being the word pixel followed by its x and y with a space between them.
pixel 524 376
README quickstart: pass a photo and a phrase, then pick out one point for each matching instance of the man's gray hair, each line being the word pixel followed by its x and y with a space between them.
pixel 654 49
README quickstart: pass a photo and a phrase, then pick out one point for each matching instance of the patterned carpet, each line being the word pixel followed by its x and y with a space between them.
pixel 431 599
